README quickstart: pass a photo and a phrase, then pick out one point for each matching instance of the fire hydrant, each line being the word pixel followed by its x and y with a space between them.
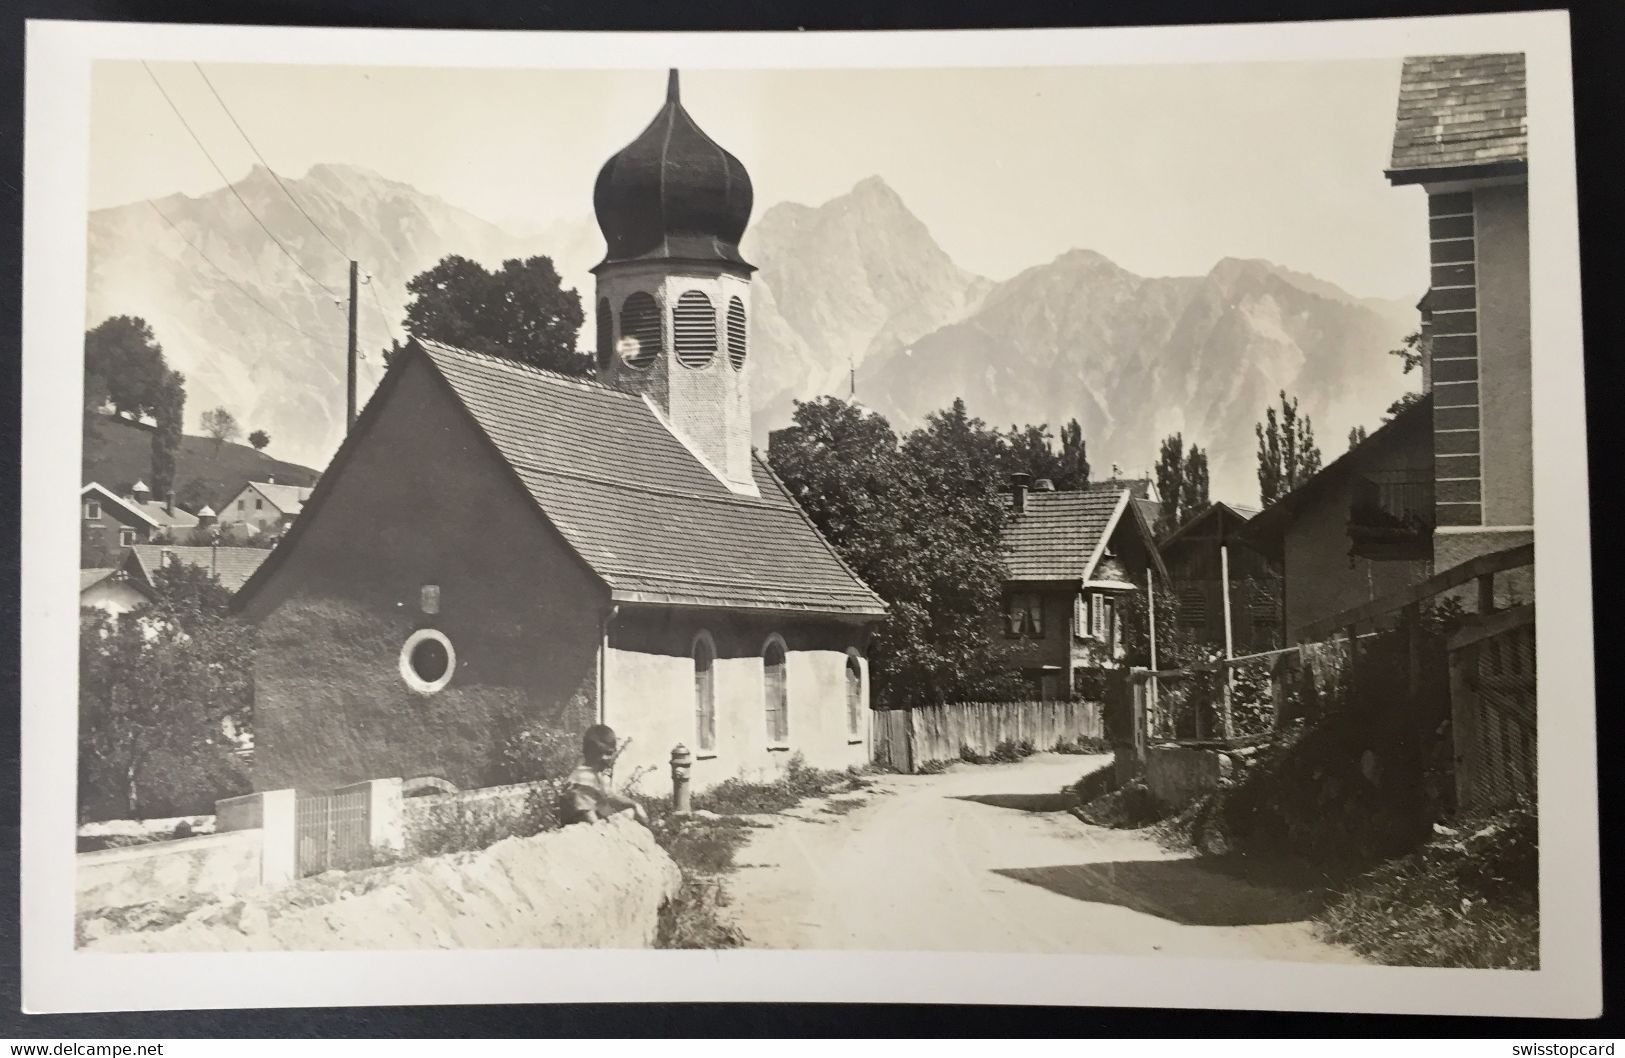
pixel 681 761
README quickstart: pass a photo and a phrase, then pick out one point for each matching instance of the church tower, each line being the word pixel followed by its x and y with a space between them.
pixel 673 299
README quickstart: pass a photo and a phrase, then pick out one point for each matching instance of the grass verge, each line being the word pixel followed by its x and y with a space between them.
pixel 1468 898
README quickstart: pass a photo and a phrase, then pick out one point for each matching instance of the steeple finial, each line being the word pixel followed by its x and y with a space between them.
pixel 671 87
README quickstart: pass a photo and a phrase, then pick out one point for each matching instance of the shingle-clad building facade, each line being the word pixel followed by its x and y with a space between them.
pixel 1461 133
pixel 1450 477
pixel 578 549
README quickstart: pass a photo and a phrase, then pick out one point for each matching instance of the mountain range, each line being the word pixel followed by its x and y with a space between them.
pixel 855 290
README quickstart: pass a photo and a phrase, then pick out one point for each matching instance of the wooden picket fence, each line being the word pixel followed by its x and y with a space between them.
pixel 904 738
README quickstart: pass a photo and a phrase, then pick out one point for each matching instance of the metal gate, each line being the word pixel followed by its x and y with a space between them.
pixel 331 830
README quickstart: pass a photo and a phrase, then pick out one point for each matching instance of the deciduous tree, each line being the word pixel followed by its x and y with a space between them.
pixel 159 687
pixel 920 522
pixel 1287 453
pixel 1182 482
pixel 1031 450
pixel 521 311
pixel 259 439
pixel 221 425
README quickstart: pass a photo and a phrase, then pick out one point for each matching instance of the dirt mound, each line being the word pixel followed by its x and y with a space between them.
pixel 580 887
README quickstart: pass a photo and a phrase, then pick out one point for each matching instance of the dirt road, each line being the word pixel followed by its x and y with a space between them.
pixel 984 858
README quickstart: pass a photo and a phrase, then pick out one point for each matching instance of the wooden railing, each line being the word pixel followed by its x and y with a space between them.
pixel 1481 569
pixel 1346 626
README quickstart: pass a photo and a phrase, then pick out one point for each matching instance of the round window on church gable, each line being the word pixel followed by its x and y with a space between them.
pixel 427 660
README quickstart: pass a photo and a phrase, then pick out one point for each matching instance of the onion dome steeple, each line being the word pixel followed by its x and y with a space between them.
pixel 673 194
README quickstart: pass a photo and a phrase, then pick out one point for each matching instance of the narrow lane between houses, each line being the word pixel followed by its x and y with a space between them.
pixel 986 859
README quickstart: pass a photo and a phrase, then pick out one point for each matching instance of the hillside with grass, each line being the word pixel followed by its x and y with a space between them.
pixel 119 453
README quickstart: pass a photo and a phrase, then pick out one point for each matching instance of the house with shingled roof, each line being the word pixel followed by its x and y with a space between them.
pixel 110 520
pixel 573 549
pixel 1070 558
pixel 1450 477
pixel 1208 556
pixel 231 566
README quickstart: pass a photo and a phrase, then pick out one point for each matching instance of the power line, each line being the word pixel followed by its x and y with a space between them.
pixel 396 338
pixel 230 186
pixel 238 126
pixel 227 276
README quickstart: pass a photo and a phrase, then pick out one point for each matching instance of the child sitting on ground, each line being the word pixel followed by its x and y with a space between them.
pixel 589 793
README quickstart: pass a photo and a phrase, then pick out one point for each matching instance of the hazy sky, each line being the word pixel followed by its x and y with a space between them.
pixel 1164 169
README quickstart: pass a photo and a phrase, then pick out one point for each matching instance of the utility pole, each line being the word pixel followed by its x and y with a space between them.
pixel 1151 635
pixel 349 421
pixel 1229 641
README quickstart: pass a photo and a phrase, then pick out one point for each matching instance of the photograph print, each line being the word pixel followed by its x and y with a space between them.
pixel 1048 509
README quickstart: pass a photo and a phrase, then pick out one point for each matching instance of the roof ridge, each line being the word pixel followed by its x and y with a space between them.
pixel 520 365
pixel 732 498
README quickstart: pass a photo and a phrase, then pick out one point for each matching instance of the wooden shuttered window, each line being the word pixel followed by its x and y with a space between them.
pixel 606 334
pixel 705 693
pixel 640 330
pixel 694 330
pixel 736 333
pixel 854 694
pixel 777 691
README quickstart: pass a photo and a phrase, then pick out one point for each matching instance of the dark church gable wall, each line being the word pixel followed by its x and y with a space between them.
pixel 650 692
pixel 420 500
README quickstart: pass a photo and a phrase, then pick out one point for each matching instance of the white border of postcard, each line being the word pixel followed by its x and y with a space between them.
pixel 56 977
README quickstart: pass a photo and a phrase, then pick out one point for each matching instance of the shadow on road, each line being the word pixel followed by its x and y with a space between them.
pixel 1182 891
pixel 1025 802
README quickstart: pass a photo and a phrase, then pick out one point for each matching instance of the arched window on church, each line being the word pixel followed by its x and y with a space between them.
pixel 606 334
pixel 736 333
pixel 705 692
pixel 854 693
pixel 777 691
pixel 694 330
pixel 640 330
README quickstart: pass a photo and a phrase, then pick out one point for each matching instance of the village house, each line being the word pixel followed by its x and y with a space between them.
pixel 264 506
pixel 109 521
pixel 1360 529
pixel 1451 477
pixel 1071 557
pixel 121 588
pixel 1207 556
pixel 573 549
pixel 112 590
pixel 1143 490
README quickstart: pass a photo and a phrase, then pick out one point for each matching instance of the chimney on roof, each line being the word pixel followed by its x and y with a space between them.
pixel 1018 492
pixel 1043 485
pixel 270 479
pixel 169 503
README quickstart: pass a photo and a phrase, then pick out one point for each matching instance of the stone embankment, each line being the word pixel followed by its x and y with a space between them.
pixel 580 887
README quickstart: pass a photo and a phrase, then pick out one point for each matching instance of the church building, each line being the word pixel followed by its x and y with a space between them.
pixel 498 548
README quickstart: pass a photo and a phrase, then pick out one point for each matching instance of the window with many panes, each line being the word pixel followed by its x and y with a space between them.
pixel 1024 615
pixel 776 691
